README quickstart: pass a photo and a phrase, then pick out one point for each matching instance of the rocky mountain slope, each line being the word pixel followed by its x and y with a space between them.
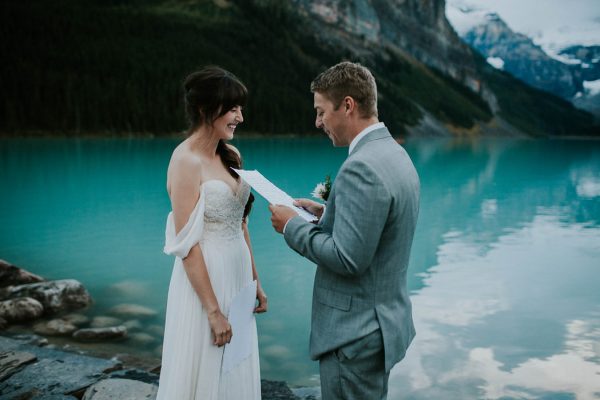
pixel 587 58
pixel 567 74
pixel 418 27
pixel 523 58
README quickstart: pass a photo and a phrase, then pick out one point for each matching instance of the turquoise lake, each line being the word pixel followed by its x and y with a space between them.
pixel 504 274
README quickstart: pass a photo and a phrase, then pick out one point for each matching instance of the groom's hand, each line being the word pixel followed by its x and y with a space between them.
pixel 312 207
pixel 280 215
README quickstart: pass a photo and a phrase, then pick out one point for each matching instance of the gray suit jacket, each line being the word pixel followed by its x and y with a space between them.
pixel 361 247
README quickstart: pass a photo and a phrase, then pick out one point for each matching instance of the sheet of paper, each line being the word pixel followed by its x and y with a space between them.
pixel 272 193
pixel 241 315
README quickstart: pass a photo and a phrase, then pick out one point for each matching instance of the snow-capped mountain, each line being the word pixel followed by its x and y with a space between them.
pixel 571 72
pixel 552 24
pixel 589 59
pixel 517 54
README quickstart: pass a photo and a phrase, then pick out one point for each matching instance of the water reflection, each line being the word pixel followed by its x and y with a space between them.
pixel 515 318
pixel 505 262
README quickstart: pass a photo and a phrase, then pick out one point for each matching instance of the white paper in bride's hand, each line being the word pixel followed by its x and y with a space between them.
pixel 272 193
pixel 241 314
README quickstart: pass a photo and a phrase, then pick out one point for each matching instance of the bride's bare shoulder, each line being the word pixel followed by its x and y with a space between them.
pixel 184 166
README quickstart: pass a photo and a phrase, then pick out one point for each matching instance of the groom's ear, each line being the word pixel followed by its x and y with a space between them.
pixel 349 104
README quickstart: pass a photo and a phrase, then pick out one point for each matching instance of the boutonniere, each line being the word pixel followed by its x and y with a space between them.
pixel 322 189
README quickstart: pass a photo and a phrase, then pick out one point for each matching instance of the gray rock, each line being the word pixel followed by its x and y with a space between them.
pixel 33 340
pixel 123 389
pixel 55 327
pixel 100 334
pixel 20 343
pixel 55 296
pixel 104 322
pixel 137 360
pixel 58 375
pixel 21 393
pixel 20 309
pixel 55 373
pixel 136 375
pixel 12 362
pixel 12 275
pixel 3 324
pixel 133 325
pixel 133 311
pixel 156 369
pixel 276 390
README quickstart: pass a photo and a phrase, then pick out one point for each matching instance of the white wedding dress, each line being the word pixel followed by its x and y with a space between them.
pixel 191 363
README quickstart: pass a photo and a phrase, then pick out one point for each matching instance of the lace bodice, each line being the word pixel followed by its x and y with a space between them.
pixel 217 215
pixel 224 208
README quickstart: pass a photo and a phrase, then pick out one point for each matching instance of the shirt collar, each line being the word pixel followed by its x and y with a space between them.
pixel 364 133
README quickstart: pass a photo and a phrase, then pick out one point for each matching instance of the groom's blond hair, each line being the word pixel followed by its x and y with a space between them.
pixel 348 79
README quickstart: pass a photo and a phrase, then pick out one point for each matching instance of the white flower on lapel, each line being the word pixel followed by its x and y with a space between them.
pixel 321 191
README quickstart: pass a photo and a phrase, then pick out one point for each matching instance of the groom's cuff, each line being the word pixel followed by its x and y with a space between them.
pixel 287 223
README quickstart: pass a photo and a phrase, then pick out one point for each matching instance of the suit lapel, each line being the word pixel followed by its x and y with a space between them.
pixel 377 134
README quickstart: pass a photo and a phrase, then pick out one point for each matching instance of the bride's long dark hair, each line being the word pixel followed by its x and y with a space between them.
pixel 209 94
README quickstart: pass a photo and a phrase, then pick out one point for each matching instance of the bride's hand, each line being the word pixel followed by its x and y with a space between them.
pixel 220 327
pixel 262 300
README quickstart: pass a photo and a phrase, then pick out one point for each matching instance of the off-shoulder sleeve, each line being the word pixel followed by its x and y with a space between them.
pixel 180 244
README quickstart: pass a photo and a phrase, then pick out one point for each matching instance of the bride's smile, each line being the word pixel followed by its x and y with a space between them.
pixel 226 124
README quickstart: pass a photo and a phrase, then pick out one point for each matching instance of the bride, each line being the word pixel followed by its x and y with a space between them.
pixel 208 234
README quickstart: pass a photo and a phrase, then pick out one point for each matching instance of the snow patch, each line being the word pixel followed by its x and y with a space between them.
pixel 463 18
pixel 565 59
pixel 496 62
pixel 592 88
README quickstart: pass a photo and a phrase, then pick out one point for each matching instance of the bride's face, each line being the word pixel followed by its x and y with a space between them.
pixel 224 126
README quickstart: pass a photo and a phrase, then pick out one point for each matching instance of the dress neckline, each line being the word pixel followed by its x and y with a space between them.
pixel 232 190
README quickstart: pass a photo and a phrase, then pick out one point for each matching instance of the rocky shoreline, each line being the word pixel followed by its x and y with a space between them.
pixel 29 369
pixel 26 298
pixel 32 368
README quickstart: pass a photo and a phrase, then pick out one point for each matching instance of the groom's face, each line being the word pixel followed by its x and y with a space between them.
pixel 330 120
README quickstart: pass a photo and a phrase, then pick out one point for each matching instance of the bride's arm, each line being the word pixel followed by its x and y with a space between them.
pixel 184 177
pixel 197 273
pixel 260 293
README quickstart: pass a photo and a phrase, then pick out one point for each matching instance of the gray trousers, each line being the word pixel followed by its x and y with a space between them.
pixel 355 371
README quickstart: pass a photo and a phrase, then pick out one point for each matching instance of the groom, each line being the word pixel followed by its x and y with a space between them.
pixel 361 312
